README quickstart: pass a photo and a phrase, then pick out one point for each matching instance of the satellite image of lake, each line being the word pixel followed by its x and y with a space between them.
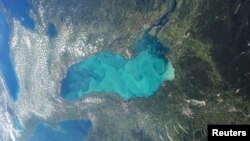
pixel 122 70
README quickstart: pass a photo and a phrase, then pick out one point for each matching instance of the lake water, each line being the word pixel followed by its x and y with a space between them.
pixel 19 10
pixel 7 69
pixel 51 31
pixel 107 72
pixel 67 130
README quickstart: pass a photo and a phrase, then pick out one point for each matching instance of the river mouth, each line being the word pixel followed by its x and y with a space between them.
pixel 137 77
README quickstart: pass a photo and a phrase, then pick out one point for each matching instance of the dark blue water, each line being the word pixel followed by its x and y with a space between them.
pixel 51 30
pixel 6 67
pixel 69 130
pixel 152 43
pixel 164 18
pixel 20 9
